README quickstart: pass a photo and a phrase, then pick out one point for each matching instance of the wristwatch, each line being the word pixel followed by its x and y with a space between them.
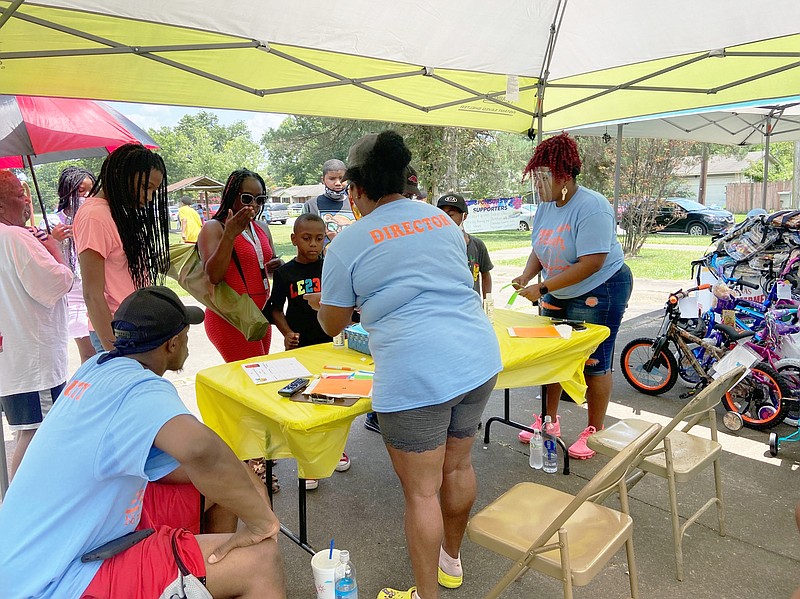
pixel 543 290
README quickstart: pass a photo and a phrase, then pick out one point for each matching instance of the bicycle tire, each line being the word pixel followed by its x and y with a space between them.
pixel 789 368
pixel 760 397
pixel 664 374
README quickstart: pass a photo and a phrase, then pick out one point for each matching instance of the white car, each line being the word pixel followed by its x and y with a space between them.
pixel 526 214
pixel 276 213
pixel 296 209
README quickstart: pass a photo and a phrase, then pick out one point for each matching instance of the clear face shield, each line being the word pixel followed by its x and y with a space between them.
pixel 542 179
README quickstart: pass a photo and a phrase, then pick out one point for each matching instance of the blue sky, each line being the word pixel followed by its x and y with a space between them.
pixel 157 115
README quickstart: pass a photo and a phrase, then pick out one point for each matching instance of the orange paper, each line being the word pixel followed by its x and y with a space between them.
pixel 333 387
pixel 534 332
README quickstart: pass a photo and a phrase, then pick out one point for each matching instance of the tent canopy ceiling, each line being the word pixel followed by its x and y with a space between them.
pixel 736 125
pixel 439 62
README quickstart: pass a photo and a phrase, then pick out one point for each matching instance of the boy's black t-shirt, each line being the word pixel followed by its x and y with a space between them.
pixel 289 284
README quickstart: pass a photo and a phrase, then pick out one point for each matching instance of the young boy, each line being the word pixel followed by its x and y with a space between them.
pixel 332 206
pixel 290 283
pixel 301 275
pixel 477 256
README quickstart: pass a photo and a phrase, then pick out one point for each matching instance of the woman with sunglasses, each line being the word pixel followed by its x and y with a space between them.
pixel 584 276
pixel 238 249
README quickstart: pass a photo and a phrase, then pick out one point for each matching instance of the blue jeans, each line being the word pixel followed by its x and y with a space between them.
pixel 605 304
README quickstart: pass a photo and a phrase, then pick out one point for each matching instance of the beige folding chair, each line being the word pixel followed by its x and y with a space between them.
pixel 676 455
pixel 522 525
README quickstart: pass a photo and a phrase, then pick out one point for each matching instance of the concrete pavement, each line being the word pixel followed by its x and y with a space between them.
pixel 363 508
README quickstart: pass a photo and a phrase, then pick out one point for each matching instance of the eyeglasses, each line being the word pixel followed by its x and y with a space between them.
pixel 249 198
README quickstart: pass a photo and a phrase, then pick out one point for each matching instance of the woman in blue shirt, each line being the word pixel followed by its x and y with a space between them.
pixel 575 247
pixel 436 354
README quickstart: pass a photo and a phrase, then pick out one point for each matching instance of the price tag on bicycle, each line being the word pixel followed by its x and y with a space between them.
pixel 741 355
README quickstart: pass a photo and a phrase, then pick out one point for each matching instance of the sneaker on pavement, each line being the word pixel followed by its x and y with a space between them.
pixel 525 436
pixel 371 422
pixel 344 463
pixel 579 450
pixel 449 581
pixel 395 594
pixel 311 484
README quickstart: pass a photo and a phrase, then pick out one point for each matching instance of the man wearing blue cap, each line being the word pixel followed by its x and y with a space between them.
pixel 84 517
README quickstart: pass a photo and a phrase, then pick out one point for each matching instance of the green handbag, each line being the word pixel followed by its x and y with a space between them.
pixel 238 310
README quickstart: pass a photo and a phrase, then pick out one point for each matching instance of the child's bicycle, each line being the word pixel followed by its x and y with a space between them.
pixel 650 366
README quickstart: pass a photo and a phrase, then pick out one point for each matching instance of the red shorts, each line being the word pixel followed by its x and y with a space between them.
pixel 149 567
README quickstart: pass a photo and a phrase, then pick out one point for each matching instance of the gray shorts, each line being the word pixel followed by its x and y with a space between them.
pixel 425 429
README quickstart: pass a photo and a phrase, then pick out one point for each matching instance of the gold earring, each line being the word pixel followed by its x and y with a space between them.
pixel 564 192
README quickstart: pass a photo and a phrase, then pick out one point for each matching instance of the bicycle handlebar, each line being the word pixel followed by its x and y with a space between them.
pixel 680 293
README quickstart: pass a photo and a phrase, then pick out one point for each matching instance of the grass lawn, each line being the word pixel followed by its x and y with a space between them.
pixel 504 240
pixel 673 265
pixel 701 241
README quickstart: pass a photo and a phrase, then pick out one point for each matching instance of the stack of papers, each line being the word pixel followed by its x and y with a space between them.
pixel 339 388
pixel 562 331
pixel 275 370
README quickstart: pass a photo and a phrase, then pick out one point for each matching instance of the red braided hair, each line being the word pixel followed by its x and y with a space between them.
pixel 559 154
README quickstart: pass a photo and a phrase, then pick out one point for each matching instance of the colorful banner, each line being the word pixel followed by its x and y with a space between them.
pixel 493 214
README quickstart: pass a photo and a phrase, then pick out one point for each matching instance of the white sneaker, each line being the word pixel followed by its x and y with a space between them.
pixel 311 484
pixel 344 463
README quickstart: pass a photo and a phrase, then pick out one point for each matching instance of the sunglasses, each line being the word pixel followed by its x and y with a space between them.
pixel 249 198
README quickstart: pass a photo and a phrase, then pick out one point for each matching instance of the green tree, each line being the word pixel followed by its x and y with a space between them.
pixel 781 167
pixel 200 145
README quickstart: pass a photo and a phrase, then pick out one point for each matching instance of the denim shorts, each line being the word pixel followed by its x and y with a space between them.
pixel 425 429
pixel 25 411
pixel 605 304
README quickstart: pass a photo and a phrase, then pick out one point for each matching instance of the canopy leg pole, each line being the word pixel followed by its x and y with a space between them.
pixel 766 166
pixel 39 195
pixel 617 171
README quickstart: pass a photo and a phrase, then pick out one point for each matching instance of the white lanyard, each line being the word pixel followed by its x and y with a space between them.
pixel 256 243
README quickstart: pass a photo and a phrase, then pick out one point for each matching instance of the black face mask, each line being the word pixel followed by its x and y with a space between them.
pixel 335 195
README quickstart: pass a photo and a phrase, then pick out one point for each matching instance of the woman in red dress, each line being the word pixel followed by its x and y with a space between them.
pixel 238 249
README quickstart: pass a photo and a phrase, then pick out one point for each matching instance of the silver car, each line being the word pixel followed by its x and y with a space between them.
pixel 526 214
pixel 275 213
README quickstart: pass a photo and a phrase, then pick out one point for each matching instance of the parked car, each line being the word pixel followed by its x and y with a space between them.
pixel 173 213
pixel 275 213
pixel 526 214
pixel 689 216
pixel 296 209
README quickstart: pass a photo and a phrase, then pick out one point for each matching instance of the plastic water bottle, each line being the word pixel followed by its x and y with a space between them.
pixel 345 577
pixel 488 307
pixel 550 455
pixel 536 449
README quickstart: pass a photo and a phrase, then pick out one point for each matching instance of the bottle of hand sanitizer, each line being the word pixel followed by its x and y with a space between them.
pixel 488 307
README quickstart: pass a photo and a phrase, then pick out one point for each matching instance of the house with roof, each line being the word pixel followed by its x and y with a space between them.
pixel 722 170
pixel 296 193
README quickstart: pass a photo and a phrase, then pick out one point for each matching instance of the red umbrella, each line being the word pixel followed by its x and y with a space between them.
pixel 36 130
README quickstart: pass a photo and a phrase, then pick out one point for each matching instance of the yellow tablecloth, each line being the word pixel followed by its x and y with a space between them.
pixel 255 421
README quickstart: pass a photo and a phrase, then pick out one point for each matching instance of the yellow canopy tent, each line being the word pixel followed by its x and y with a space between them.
pixel 546 64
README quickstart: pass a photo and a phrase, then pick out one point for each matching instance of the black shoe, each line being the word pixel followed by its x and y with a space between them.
pixel 371 422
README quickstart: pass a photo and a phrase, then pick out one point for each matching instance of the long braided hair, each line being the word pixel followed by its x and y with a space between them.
pixel 69 183
pixel 231 192
pixel 144 230
pixel 559 154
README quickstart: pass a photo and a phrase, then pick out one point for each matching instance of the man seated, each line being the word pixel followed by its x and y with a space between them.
pixel 87 479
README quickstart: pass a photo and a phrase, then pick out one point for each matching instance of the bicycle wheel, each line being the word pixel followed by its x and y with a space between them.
pixel 760 397
pixel 660 379
pixel 789 369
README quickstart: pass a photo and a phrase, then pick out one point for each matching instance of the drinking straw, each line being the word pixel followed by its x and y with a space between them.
pixel 330 553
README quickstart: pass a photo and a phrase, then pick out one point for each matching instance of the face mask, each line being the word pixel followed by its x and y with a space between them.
pixel 335 195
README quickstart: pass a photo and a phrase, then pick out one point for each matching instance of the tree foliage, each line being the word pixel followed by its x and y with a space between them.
pixel 479 163
pixel 781 167
pixel 200 146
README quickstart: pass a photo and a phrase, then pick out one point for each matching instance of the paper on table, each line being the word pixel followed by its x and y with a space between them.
pixel 329 387
pixel 564 331
pixel 275 370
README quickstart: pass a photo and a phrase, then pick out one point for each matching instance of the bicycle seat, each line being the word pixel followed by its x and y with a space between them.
pixel 731 333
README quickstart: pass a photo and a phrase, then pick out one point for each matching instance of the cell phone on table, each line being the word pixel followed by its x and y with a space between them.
pixel 578 325
pixel 295 386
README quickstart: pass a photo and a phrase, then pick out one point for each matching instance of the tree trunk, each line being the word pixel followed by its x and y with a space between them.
pixel 701 194
pixel 451 144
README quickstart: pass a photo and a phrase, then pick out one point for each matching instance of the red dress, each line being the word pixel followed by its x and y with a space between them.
pixel 230 343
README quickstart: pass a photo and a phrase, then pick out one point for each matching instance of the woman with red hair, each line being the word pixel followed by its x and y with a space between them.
pixel 575 248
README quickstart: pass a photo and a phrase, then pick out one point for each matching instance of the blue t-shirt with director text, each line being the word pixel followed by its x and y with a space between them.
pixel 403 266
